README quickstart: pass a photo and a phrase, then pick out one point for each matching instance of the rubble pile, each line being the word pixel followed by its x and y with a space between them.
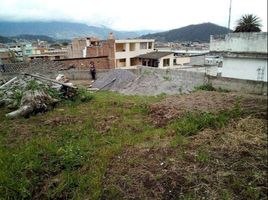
pixel 115 80
pixel 30 94
pixel 148 82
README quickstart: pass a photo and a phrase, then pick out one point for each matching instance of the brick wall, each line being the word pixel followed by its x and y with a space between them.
pixel 107 48
pixel 101 62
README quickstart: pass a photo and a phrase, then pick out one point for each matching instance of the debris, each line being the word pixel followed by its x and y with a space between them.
pixel 31 94
pixel 7 83
pixel 114 80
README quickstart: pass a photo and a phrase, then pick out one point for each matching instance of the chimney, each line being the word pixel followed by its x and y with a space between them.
pixel 111 36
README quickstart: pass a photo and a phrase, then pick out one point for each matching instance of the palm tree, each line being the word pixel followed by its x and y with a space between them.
pixel 248 23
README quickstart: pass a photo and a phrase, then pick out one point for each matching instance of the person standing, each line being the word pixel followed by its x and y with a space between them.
pixel 93 70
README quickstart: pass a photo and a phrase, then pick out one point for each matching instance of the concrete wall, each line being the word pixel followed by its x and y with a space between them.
pixel 186 79
pixel 182 60
pixel 232 84
pixel 245 68
pixel 197 60
pixel 239 42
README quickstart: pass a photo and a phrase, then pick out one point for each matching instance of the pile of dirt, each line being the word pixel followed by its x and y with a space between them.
pixel 150 81
pixel 156 81
pixel 215 164
pixel 115 80
pixel 206 101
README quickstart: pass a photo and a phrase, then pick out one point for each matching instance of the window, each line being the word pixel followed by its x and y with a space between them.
pixel 150 45
pixel 143 45
pixel 122 60
pixel 166 62
pixel 132 46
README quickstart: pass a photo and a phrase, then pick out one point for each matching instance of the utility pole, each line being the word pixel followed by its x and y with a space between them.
pixel 230 9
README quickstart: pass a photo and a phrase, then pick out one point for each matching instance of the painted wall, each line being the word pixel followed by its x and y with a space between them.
pixel 161 63
pixel 239 42
pixel 182 60
pixel 133 50
pixel 245 68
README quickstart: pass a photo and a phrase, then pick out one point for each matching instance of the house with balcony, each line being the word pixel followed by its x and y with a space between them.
pixel 127 52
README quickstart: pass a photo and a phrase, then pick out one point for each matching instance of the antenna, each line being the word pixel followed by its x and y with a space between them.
pixel 230 9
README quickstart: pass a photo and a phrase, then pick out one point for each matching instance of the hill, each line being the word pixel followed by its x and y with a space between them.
pixel 6 39
pixel 62 30
pixel 198 32
pixel 34 37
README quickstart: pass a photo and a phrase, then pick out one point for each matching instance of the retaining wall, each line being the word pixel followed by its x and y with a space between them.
pixel 239 85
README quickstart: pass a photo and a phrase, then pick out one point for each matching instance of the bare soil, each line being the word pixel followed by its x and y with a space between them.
pixel 206 101
pixel 229 163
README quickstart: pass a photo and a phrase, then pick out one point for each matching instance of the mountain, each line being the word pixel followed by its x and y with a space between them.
pixel 62 30
pixel 33 37
pixel 6 40
pixel 198 32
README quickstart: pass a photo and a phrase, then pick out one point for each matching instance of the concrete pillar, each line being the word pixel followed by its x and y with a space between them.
pixel 127 62
pixel 127 47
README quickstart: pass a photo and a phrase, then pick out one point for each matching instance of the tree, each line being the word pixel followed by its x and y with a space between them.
pixel 248 23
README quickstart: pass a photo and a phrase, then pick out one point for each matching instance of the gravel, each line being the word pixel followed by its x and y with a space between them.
pixel 115 80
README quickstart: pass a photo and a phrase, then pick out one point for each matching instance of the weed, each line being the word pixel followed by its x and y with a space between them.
pixel 192 123
pixel 83 95
pixel 207 87
pixel 17 97
pixel 202 157
pixel 34 85
pixel 167 78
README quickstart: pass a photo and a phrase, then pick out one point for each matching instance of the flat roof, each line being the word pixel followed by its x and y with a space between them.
pixel 134 40
pixel 155 55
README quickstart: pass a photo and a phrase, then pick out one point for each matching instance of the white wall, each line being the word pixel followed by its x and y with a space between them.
pixel 240 42
pixel 245 68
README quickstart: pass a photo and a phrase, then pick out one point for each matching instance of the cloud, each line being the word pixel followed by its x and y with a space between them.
pixel 132 14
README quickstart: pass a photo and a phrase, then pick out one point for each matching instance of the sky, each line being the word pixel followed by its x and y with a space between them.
pixel 133 14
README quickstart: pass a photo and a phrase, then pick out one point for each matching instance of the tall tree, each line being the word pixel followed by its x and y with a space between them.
pixel 248 23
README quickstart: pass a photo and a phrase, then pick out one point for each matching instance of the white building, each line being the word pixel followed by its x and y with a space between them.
pixel 244 55
pixel 126 51
pixel 157 59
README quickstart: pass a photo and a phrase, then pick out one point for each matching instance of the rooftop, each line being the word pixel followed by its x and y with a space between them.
pixel 155 55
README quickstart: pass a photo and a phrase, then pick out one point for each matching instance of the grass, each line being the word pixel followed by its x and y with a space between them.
pixel 65 153
pixel 209 87
pixel 77 154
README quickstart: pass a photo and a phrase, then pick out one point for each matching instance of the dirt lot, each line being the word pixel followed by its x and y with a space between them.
pixel 138 147
pixel 206 101
pixel 222 164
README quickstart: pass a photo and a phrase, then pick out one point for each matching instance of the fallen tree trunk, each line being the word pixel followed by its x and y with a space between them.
pixel 33 102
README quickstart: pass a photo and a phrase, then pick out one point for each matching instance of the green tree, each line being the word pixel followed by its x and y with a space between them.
pixel 248 23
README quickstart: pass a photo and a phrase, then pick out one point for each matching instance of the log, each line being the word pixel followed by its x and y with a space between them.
pixel 7 83
pixel 51 80
pixel 33 102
